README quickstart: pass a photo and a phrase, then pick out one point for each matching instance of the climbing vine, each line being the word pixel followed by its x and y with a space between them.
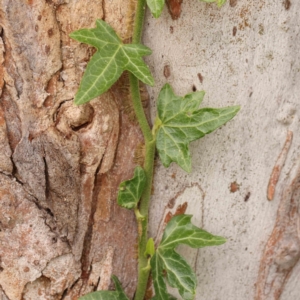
pixel 179 121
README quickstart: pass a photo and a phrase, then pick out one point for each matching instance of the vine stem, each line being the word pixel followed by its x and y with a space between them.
pixel 143 268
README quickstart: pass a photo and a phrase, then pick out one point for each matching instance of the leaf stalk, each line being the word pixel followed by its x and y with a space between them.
pixel 143 264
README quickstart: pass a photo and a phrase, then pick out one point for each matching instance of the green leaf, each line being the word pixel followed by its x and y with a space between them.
pixel 150 248
pixel 180 275
pixel 118 294
pixel 180 230
pixel 111 59
pixel 219 2
pixel 156 7
pixel 179 122
pixel 130 191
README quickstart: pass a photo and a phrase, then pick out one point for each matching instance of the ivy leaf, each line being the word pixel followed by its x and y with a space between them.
pixel 179 122
pixel 118 294
pixel 180 275
pixel 156 7
pixel 219 2
pixel 180 230
pixel 130 191
pixel 111 59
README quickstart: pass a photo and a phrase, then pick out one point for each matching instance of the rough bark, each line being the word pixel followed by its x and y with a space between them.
pixel 61 232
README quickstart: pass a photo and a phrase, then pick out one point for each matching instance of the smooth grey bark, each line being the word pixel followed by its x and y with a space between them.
pixel 247 54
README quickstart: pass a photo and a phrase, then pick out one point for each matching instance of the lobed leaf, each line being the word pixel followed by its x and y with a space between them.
pixel 180 275
pixel 111 59
pixel 180 230
pixel 156 7
pixel 118 294
pixel 130 191
pixel 179 122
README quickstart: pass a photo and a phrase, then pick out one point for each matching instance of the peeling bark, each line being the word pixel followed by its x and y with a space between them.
pixel 62 233
pixel 282 251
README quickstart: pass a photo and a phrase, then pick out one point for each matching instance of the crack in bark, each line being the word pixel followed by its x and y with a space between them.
pixel 47 183
pixel 87 241
pixel 103 9
pixel 57 110
pixel 2 291
pixel 65 293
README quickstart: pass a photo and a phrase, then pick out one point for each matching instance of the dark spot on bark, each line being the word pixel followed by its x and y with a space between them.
pixel 48 101
pixel 261 29
pixel 234 30
pixel 233 3
pixel 250 95
pixel 54 240
pixel 194 88
pixel 171 203
pixel 36 28
pixel 287 4
pixel 171 29
pixel 48 210
pixel 39 17
pixel 247 196
pixel 1 269
pixel 36 262
pixel 167 71
pixel 26 269
pixel 68 136
pixel 200 77
pixel 174 7
pixel 47 49
pixel 50 32
pixel 234 186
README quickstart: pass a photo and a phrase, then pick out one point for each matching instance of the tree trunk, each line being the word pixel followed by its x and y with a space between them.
pixel 62 233
pixel 246 53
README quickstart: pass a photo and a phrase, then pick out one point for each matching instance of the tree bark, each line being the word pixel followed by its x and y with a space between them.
pixel 247 54
pixel 61 232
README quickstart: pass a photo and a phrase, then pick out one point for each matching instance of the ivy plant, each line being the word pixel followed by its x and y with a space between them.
pixel 179 121
pixel 109 62
pixel 180 275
